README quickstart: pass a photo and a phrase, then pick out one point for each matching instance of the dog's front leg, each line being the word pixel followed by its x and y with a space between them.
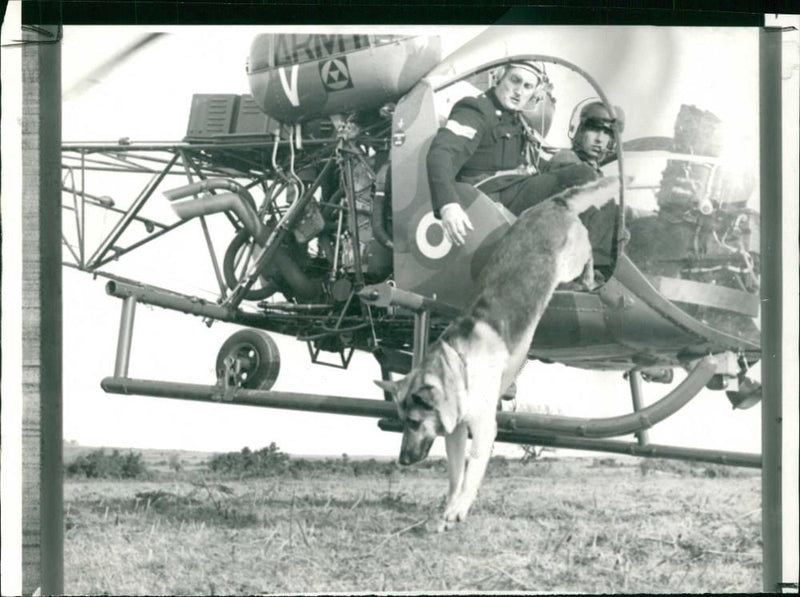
pixel 482 439
pixel 456 447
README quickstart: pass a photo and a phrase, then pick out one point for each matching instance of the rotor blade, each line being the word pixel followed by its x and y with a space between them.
pixel 102 71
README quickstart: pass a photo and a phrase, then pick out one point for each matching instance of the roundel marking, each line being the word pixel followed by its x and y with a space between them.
pixel 335 74
pixel 431 241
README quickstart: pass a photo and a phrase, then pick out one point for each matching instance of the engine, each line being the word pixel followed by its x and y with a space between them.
pixel 704 231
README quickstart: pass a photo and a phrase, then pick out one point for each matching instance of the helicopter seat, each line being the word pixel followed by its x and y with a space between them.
pixel 491 220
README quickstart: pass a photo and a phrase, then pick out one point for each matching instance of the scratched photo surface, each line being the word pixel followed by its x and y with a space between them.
pixel 228 498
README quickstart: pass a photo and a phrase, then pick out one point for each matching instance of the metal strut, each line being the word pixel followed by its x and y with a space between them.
pixel 132 212
pixel 635 379
pixel 125 336
pixel 388 295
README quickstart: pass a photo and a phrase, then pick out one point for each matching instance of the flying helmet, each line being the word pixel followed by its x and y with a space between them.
pixel 592 111
pixel 536 68
pixel 533 67
pixel 538 113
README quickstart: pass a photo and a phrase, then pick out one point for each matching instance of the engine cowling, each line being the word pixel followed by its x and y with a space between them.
pixel 298 77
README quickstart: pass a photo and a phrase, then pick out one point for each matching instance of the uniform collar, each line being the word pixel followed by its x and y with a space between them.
pixel 586 159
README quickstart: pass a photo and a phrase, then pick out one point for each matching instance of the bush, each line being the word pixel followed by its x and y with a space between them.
pixel 97 464
pixel 264 462
pixel 606 463
pixel 175 463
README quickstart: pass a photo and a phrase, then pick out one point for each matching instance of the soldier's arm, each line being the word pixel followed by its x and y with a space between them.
pixel 451 148
pixel 565 157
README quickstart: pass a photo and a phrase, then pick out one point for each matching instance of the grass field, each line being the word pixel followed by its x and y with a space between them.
pixel 568 525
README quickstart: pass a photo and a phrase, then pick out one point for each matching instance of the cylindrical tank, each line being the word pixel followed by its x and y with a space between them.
pixel 297 77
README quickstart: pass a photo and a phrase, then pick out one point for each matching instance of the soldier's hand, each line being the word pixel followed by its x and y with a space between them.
pixel 455 223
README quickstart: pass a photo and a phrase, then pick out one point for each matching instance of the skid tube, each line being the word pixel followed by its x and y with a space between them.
pixel 742 459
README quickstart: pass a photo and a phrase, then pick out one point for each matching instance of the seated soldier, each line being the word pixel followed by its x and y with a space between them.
pixel 592 142
pixel 487 144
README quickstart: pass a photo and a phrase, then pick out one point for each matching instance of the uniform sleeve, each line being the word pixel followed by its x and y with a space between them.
pixel 452 146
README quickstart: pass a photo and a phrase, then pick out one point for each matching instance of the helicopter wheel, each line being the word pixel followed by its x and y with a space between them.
pixel 249 359
pixel 238 257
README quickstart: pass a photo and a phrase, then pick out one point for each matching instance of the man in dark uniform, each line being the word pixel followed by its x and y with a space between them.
pixel 487 144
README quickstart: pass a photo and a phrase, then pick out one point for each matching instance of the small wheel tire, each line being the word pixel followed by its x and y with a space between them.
pixel 258 357
pixel 229 267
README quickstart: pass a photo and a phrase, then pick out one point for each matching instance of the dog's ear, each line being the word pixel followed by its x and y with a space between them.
pixel 454 376
pixel 398 389
pixel 391 387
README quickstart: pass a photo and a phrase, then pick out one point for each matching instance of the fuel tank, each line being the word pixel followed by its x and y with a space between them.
pixel 298 77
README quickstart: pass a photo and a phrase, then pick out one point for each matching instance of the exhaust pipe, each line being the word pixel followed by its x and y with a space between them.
pixel 304 287
pixel 211 184
pixel 239 201
pixel 211 204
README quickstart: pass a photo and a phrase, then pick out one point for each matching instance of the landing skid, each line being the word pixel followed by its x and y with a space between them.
pixel 542 430
pixel 522 428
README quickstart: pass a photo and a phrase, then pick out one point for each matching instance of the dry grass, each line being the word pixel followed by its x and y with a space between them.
pixel 563 526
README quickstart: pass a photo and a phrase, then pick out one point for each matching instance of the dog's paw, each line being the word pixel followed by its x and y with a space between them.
pixel 598 279
pixel 444 526
pixel 573 286
pixel 457 510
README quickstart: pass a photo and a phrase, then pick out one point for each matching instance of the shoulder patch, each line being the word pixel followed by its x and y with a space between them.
pixel 460 130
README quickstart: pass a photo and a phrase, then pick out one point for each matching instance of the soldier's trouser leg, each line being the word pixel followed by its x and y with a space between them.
pixel 535 189
pixel 601 224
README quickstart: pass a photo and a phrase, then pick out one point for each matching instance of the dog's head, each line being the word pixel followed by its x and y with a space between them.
pixel 428 400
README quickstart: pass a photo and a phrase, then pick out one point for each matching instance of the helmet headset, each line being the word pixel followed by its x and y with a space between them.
pixel 593 111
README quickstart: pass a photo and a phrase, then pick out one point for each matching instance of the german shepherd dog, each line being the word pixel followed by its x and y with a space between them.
pixel 454 391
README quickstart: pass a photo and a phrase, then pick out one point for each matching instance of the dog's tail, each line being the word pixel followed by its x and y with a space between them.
pixel 594 194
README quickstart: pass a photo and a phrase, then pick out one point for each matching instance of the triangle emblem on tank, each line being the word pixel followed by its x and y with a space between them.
pixel 335 74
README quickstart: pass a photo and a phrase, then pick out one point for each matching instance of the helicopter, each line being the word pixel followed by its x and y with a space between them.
pixel 319 174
